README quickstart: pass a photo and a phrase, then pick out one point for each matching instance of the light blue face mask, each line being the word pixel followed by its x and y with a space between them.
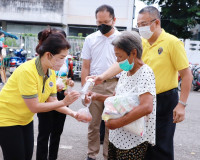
pixel 2 39
pixel 124 65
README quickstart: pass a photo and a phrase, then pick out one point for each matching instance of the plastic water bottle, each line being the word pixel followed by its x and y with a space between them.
pixel 87 87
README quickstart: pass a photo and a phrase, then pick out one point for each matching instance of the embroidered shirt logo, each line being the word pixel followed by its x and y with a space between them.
pixel 51 84
pixel 160 50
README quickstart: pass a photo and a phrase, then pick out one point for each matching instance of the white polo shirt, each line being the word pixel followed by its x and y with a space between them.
pixel 100 51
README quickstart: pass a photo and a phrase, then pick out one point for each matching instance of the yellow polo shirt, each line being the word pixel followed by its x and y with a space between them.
pixel 166 57
pixel 27 81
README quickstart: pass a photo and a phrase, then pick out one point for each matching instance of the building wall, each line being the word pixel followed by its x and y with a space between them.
pixel 83 11
pixel 27 28
pixel 44 11
pixel 62 12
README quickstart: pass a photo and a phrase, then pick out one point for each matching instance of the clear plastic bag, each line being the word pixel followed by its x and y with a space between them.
pixel 85 114
pixel 63 71
pixel 60 84
pixel 118 106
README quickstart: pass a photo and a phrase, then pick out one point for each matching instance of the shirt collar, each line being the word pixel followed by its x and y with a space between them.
pixel 39 67
pixel 161 36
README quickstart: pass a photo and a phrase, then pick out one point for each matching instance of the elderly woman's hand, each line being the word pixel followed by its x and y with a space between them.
pixel 113 123
pixel 92 95
pixel 89 97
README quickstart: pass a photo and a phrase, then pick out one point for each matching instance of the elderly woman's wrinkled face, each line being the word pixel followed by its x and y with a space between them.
pixel 125 62
pixel 121 55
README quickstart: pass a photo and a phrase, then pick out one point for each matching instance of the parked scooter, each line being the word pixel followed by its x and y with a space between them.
pixel 196 77
pixel 18 59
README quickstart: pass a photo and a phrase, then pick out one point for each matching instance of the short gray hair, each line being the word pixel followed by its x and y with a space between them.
pixel 153 11
pixel 127 41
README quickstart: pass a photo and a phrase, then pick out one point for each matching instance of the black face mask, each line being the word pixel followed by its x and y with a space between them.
pixel 104 28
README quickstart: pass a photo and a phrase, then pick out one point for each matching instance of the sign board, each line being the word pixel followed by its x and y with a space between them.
pixel 193 51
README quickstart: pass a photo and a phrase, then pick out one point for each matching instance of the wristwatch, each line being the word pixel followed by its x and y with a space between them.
pixel 181 102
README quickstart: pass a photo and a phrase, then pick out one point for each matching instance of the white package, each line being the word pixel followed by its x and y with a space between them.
pixel 118 106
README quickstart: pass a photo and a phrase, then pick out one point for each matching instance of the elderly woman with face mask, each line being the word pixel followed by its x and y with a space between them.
pixel 138 78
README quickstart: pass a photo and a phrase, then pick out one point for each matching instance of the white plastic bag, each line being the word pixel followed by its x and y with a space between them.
pixel 3 52
pixel 63 71
pixel 118 106
pixel 85 114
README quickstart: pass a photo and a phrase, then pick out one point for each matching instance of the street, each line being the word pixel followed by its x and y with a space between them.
pixel 73 145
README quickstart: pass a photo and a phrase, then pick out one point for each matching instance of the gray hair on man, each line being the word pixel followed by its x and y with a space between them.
pixel 127 41
pixel 153 11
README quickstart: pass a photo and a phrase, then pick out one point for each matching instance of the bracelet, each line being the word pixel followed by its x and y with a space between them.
pixel 181 102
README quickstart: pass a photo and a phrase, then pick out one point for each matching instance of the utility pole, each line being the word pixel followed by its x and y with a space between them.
pixel 131 13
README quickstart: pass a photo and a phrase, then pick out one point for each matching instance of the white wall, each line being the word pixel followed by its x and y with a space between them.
pixel 32 11
pixel 21 28
pixel 193 51
pixel 83 11
pixel 64 12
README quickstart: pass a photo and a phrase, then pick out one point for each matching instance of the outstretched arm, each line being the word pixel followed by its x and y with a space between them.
pixel 35 106
pixel 109 73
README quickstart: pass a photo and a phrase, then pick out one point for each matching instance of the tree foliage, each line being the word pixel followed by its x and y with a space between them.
pixel 178 16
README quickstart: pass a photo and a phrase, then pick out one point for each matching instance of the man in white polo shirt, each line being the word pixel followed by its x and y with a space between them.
pixel 98 55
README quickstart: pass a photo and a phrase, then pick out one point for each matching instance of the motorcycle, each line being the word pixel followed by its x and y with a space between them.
pixel 17 60
pixel 196 77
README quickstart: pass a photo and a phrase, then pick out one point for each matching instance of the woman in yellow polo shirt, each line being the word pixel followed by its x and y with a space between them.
pixel 32 89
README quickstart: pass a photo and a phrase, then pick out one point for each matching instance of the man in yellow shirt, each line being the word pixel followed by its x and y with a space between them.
pixel 166 55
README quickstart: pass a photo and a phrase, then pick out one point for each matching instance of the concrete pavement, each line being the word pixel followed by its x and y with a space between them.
pixel 73 145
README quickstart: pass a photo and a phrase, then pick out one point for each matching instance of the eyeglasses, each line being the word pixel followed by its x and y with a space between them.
pixel 105 22
pixel 145 23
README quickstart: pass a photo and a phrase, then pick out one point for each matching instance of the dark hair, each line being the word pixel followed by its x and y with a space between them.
pixel 153 11
pixel 1 33
pixel 127 41
pixel 105 8
pixel 58 30
pixel 53 30
pixel 51 40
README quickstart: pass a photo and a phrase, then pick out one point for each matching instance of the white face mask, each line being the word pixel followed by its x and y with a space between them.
pixel 145 32
pixel 57 64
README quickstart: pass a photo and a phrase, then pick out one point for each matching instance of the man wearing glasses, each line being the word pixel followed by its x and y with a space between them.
pixel 166 55
pixel 98 55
